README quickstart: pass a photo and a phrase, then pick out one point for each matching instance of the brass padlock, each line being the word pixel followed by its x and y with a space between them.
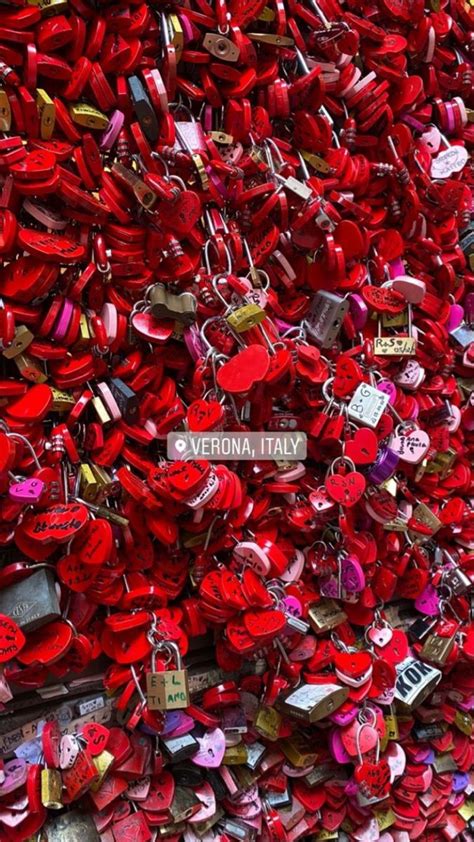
pixel 51 789
pixel 88 485
pixel 325 615
pixel 87 115
pixel 29 369
pixel 47 113
pixel 437 649
pixel 167 690
pixel 298 751
pixel 5 112
pixel 267 722
pixel 312 702
pixel 22 339
pixel 102 763
pixel 184 804
pixel 246 317
pixel 166 305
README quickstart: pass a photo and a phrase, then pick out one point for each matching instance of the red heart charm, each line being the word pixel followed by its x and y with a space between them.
pixel 384 300
pixel 398 649
pixel 346 490
pixel 182 214
pixel 33 406
pixel 151 329
pixel 47 645
pixel 204 415
pixel 362 449
pixel 373 778
pixel 12 639
pixel 57 523
pixel 353 664
pixel 74 574
pixel 185 478
pixel 161 793
pixel 242 371
pixel 347 377
pixel 96 737
pixel 413 583
pixel 95 542
pixel 264 623
pixel 312 798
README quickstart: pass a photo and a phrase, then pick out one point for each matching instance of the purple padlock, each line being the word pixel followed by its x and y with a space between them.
pixel 26 491
pixel 383 467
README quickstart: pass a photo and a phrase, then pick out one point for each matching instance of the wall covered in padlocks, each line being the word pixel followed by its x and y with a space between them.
pixel 241 225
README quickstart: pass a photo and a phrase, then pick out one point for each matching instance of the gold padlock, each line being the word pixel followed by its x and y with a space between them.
pixel 168 690
pixel 325 615
pixel 87 115
pixel 246 317
pixel 102 763
pixel 267 722
pixel 88 485
pixel 298 752
pixel 51 789
pixel 235 755
pixel 29 369
pixel 62 401
pixel 5 112
pixel 21 341
pixel 102 414
pixel 47 113
pixel 437 649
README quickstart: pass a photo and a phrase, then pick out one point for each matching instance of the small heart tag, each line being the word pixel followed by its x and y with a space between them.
pixel 204 415
pixel 384 299
pixel 411 447
pixel 381 636
pixel 358 740
pixel 211 749
pixel 362 449
pixel 347 376
pixel 352 575
pixel 264 623
pixel 346 490
pixel 151 329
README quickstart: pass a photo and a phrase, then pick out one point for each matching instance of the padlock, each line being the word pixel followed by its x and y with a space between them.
pixel 367 405
pixel 31 602
pixel 325 615
pixel 165 305
pixel 246 317
pixel 51 789
pixel 415 681
pixel 437 649
pixel 325 317
pixel 312 702
pixel 167 690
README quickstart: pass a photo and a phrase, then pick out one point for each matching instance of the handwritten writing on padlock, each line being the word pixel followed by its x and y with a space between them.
pixel 167 690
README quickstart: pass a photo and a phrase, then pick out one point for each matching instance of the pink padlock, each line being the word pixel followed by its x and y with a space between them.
pixel 26 491
pixel 248 552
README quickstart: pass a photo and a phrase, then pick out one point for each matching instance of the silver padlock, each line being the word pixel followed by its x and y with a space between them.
pixel 325 317
pixel 415 681
pixel 367 405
